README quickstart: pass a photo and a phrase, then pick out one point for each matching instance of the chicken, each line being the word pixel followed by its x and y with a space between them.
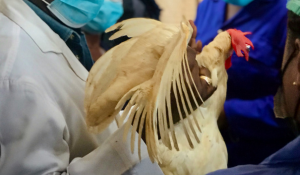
pixel 144 70
pixel 211 154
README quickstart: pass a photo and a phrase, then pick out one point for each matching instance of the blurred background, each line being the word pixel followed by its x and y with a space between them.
pixel 173 10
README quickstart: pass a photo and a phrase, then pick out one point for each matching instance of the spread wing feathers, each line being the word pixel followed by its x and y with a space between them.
pixel 100 77
pixel 122 68
pixel 133 27
pixel 147 106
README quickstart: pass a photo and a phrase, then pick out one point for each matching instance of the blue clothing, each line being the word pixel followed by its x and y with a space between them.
pixel 74 38
pixel 254 132
pixel 284 162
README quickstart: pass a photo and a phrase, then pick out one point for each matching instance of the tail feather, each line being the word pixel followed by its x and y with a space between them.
pixel 187 70
pixel 135 125
pixel 185 98
pixel 180 114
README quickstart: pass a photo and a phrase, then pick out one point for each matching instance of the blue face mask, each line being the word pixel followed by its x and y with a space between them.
pixel 75 13
pixel 109 14
pixel 239 2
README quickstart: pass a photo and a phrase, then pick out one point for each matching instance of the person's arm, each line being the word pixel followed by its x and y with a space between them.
pixel 35 139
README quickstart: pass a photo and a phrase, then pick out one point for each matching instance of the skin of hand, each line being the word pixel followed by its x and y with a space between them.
pixel 202 86
pixel 195 48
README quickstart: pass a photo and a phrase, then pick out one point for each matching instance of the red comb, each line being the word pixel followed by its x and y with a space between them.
pixel 238 42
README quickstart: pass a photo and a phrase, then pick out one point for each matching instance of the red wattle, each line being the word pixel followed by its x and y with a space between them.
pixel 228 63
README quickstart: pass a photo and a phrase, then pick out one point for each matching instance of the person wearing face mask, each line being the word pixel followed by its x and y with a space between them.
pixel 42 80
pixel 286 161
pixel 248 124
pixel 109 14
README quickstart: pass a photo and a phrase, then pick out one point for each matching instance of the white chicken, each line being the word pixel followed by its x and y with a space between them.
pixel 144 70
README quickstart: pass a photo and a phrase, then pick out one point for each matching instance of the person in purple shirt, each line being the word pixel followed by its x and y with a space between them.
pixel 286 161
pixel 248 124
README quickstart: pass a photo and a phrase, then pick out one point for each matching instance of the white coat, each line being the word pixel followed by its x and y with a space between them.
pixel 42 127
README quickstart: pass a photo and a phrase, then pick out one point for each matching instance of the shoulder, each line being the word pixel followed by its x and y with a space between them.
pixel 22 69
pixel 22 62
pixel 17 49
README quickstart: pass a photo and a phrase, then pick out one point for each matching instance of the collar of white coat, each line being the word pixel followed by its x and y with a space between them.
pixel 41 33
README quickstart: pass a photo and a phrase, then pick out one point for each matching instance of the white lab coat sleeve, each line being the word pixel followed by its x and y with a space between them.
pixel 115 158
pixel 34 138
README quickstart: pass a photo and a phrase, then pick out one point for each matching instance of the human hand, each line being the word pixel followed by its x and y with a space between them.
pixel 202 86
pixel 196 45
pixel 204 89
